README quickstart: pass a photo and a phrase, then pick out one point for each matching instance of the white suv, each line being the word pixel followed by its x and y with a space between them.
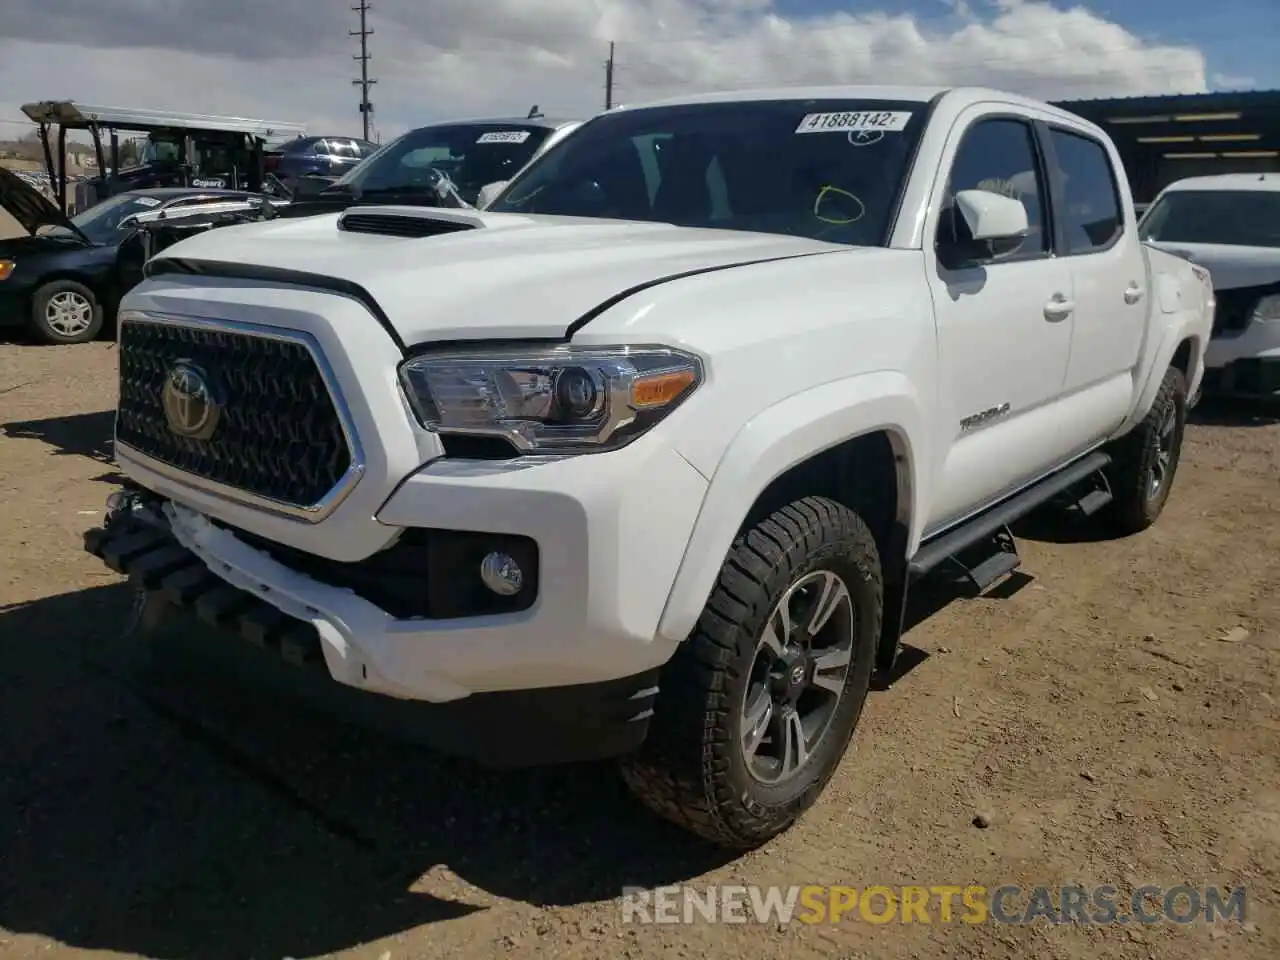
pixel 642 460
pixel 1230 224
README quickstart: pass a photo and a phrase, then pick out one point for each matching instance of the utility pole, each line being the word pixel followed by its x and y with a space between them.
pixel 608 79
pixel 364 83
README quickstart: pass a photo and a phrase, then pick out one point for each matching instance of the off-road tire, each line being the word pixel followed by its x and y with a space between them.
pixel 691 770
pixel 39 313
pixel 1135 507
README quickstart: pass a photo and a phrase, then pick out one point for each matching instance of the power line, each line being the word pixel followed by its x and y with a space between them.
pixel 366 108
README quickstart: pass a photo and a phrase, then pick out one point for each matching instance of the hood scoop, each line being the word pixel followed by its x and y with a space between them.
pixel 408 222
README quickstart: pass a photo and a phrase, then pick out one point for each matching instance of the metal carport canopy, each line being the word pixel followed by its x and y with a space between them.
pixel 83 116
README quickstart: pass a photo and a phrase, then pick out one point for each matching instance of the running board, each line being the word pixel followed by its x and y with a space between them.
pixel 1092 502
pixel 988 560
pixel 998 518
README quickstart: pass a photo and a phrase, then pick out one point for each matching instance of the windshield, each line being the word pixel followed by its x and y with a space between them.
pixel 828 170
pixel 1238 218
pixel 471 155
pixel 99 223
pixel 158 151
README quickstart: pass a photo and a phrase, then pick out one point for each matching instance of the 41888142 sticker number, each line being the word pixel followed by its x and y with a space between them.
pixel 858 121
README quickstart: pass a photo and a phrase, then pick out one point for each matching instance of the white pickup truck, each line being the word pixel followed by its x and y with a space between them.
pixel 1230 225
pixel 643 460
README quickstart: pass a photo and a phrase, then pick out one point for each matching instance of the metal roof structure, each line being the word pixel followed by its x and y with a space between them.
pixel 1163 139
pixel 1243 100
pixel 82 116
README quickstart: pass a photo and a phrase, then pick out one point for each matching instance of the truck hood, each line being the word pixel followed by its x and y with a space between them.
pixel 484 275
pixel 29 206
pixel 1230 267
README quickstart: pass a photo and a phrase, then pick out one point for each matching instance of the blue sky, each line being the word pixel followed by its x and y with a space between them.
pixel 436 59
pixel 1240 38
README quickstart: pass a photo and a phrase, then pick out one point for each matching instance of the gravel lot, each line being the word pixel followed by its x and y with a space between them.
pixel 1096 717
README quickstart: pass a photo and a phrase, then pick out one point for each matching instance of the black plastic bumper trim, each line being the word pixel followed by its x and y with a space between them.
pixel 154 561
pixel 509 729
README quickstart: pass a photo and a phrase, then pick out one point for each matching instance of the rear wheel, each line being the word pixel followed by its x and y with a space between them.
pixel 1145 460
pixel 757 707
pixel 64 311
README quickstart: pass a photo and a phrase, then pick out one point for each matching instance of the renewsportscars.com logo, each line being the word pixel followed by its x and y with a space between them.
pixel 944 904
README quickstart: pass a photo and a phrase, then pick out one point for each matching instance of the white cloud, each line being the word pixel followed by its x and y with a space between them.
pixel 433 59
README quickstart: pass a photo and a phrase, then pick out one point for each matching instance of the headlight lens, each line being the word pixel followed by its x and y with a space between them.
pixel 6 268
pixel 1268 309
pixel 558 399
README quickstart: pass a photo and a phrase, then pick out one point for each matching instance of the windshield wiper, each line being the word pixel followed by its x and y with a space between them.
pixel 407 190
pixel 343 189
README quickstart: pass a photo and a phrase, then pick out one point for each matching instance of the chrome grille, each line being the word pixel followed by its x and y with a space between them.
pixel 279 437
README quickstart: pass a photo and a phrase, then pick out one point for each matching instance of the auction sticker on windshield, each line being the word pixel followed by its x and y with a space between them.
pixel 504 136
pixel 894 121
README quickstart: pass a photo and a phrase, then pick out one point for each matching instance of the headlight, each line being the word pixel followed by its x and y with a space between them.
pixel 6 268
pixel 1268 309
pixel 556 399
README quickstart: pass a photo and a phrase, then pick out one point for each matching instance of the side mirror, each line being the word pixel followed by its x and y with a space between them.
pixel 128 223
pixel 488 192
pixel 992 216
pixel 980 226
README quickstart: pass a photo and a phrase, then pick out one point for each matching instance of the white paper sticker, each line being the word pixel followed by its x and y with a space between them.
pixel 147 201
pixel 504 136
pixel 888 121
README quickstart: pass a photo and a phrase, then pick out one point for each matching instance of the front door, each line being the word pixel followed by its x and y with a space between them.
pixel 1004 327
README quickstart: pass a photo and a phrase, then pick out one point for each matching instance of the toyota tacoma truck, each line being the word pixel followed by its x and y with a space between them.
pixel 1230 225
pixel 643 460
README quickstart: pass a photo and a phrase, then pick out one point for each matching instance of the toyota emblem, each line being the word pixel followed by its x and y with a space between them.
pixel 190 408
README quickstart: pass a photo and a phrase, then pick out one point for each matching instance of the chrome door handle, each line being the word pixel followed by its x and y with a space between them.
pixel 1133 293
pixel 1059 308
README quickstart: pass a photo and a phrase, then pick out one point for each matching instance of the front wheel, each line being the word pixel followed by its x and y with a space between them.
pixel 1145 460
pixel 64 311
pixel 757 707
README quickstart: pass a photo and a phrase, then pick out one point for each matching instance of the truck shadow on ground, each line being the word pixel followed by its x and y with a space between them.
pixel 155 813
pixel 1224 412
pixel 156 806
pixel 82 435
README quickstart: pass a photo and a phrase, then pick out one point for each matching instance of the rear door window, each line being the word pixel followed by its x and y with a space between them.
pixel 1088 200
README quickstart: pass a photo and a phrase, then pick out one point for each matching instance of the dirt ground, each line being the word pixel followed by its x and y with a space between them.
pixel 1114 720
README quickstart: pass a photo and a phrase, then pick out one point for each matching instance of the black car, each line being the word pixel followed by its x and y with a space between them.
pixel 425 166
pixel 67 275
pixel 327 157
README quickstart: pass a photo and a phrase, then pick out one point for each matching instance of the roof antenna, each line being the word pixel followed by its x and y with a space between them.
pixel 534 112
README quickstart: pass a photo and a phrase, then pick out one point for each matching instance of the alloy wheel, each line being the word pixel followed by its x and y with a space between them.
pixel 798 675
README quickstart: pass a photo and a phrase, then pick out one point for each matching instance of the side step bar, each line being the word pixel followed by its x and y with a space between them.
pixel 997 519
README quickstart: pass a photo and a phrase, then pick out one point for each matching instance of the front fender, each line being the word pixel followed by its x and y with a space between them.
pixel 770 444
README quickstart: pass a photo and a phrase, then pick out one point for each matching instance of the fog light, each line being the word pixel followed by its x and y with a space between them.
pixel 501 574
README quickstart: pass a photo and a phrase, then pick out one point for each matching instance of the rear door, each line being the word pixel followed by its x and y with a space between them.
pixel 1004 324
pixel 1099 241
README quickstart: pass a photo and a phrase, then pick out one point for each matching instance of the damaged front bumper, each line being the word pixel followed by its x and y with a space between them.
pixel 513 728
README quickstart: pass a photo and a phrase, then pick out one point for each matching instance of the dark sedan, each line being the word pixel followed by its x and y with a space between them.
pixel 324 157
pixel 66 276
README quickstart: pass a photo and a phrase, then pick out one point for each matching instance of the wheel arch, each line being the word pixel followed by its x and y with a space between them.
pixel 855 441
pixel 75 275
pixel 1180 348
